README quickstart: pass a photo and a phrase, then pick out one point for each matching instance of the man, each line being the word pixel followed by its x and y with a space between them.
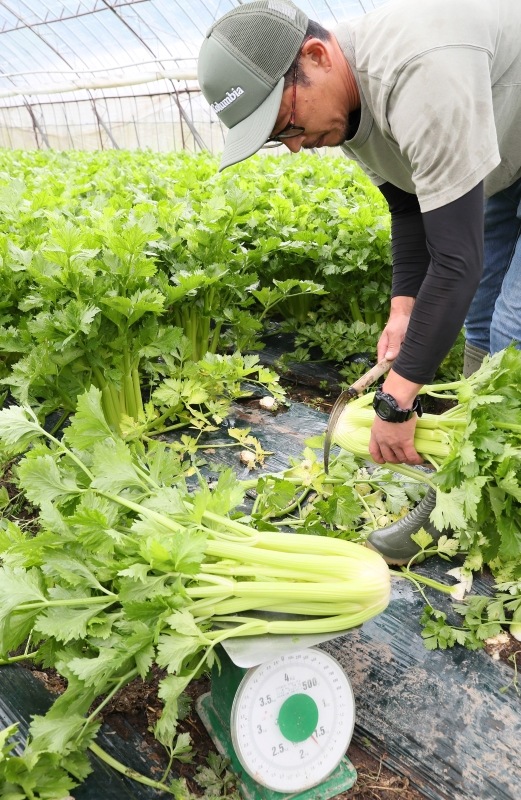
pixel 426 97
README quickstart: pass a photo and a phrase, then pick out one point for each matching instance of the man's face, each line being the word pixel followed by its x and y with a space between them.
pixel 319 107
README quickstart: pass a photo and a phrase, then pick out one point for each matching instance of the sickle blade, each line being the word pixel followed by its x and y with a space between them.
pixel 355 390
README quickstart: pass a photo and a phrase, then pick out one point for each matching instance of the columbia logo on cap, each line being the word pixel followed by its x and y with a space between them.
pixel 230 97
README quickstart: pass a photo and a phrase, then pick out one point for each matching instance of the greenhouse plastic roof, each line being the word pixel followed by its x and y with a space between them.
pixel 55 44
pixel 91 74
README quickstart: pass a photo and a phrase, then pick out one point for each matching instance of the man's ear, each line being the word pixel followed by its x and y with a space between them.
pixel 316 53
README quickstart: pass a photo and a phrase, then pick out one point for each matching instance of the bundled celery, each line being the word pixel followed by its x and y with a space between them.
pixel 433 437
pixel 129 569
pixel 476 449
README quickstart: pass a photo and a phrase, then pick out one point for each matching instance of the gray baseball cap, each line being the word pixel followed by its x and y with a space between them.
pixel 241 68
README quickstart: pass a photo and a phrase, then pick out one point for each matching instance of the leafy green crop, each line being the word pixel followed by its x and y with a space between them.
pixel 222 237
pixel 130 569
pixel 92 299
pixel 113 247
pixel 480 481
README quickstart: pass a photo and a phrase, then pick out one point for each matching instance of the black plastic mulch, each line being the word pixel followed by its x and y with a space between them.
pixel 441 718
pixel 22 695
pixel 445 718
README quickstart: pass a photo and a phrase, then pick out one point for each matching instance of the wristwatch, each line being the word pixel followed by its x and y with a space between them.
pixel 388 409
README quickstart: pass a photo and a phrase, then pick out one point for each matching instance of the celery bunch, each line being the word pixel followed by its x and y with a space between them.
pixel 432 437
pixel 128 569
pixel 476 448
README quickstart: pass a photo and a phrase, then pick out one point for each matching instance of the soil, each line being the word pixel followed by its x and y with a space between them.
pixel 316 398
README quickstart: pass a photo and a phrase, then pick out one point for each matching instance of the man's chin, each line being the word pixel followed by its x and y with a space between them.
pixel 339 141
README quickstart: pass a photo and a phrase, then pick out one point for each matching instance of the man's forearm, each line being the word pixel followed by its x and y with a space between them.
pixel 402 306
pixel 408 241
pixel 437 259
pixel 455 238
pixel 403 391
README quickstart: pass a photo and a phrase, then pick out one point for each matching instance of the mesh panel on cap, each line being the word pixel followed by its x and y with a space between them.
pixel 266 41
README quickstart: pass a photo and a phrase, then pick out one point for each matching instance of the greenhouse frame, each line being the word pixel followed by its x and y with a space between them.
pixel 102 74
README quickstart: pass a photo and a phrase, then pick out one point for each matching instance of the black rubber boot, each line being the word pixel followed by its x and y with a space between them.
pixel 396 547
pixel 472 359
pixel 394 542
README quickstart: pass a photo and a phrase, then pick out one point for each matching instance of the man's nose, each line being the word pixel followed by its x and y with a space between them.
pixel 294 143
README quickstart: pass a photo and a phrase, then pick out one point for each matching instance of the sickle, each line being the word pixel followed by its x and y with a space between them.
pixel 354 390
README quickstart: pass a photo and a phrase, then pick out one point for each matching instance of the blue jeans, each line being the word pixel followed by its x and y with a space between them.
pixel 494 317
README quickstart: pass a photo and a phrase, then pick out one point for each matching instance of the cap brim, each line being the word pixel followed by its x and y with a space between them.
pixel 248 136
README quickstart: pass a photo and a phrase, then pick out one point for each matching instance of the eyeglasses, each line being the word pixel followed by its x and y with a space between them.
pixel 291 129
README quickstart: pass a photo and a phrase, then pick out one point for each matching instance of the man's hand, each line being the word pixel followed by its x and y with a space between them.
pixel 394 442
pixel 394 332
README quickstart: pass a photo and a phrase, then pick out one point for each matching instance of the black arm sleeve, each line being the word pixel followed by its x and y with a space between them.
pixel 408 244
pixel 443 281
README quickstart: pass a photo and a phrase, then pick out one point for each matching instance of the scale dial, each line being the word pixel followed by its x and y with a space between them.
pixel 292 720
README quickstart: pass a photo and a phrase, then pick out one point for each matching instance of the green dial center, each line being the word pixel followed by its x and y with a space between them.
pixel 298 717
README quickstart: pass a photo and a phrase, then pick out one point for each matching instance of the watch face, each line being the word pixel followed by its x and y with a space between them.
pixel 387 408
pixel 384 410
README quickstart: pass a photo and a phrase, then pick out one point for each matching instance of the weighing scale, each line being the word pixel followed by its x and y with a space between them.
pixel 283 712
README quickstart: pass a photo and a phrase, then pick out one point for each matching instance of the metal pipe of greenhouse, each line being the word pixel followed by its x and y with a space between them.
pixel 37 127
pixel 102 125
pixel 146 77
pixel 193 130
